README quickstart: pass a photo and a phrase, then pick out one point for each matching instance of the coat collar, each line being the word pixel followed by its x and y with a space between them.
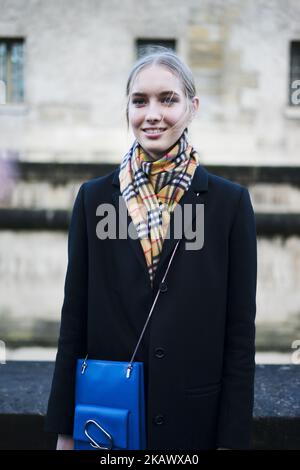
pixel 196 194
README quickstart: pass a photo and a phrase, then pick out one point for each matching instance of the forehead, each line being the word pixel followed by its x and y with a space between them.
pixel 155 79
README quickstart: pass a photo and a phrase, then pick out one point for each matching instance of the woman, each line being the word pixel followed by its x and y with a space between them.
pixel 198 350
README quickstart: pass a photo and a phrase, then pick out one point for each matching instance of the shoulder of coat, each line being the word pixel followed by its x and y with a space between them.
pixel 100 182
pixel 218 182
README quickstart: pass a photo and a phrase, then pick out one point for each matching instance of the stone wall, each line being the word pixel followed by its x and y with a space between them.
pixel 25 388
pixel 76 65
pixel 33 250
pixel 77 61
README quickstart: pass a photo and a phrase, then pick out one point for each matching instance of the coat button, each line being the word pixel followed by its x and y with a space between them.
pixel 159 419
pixel 163 287
pixel 159 353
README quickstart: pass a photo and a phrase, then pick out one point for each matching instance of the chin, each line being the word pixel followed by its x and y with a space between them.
pixel 155 150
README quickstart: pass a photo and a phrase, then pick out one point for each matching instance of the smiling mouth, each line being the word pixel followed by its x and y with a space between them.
pixel 157 130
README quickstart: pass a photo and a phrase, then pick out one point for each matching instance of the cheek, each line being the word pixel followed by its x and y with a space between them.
pixel 174 116
pixel 135 118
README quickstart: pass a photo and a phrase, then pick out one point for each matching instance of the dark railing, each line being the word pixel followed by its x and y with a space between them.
pixel 60 173
pixel 268 224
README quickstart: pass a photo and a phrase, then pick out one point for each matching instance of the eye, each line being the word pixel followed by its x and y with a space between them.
pixel 168 100
pixel 138 101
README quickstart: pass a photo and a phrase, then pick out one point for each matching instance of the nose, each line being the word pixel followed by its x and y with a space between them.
pixel 154 113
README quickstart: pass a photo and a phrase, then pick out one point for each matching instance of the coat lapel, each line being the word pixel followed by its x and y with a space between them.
pixel 124 221
pixel 195 195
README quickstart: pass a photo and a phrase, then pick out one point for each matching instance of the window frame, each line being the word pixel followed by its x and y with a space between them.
pixel 14 94
pixel 146 43
pixel 294 63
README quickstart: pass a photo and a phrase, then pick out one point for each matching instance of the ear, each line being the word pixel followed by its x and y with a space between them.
pixel 196 104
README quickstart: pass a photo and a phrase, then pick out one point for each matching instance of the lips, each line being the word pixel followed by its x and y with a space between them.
pixel 154 130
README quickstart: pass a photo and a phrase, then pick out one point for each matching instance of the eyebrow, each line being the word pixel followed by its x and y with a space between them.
pixel 167 92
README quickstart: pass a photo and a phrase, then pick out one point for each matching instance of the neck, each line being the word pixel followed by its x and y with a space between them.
pixel 158 156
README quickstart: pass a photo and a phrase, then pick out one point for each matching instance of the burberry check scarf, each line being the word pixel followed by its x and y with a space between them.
pixel 152 189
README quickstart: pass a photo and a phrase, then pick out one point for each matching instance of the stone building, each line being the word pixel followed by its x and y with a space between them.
pixel 72 60
pixel 63 70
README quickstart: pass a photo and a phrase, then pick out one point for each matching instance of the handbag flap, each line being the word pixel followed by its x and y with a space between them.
pixel 108 427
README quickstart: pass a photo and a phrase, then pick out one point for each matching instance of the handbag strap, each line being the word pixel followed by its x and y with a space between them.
pixel 129 367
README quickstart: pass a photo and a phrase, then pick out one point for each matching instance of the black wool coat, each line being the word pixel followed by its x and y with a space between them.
pixel 199 347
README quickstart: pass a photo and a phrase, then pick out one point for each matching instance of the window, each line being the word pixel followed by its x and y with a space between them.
pixel 143 46
pixel 294 90
pixel 11 70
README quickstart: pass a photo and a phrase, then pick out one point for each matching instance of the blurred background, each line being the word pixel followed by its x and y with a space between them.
pixel 63 71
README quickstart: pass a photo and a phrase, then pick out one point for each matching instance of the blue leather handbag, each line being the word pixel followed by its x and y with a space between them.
pixel 110 400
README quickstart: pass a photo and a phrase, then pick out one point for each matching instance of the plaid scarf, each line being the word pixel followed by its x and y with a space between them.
pixel 152 189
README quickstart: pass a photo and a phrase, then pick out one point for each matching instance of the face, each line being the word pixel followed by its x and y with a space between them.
pixel 158 110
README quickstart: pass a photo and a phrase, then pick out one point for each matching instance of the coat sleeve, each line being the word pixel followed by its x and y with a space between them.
pixel 72 336
pixel 237 396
